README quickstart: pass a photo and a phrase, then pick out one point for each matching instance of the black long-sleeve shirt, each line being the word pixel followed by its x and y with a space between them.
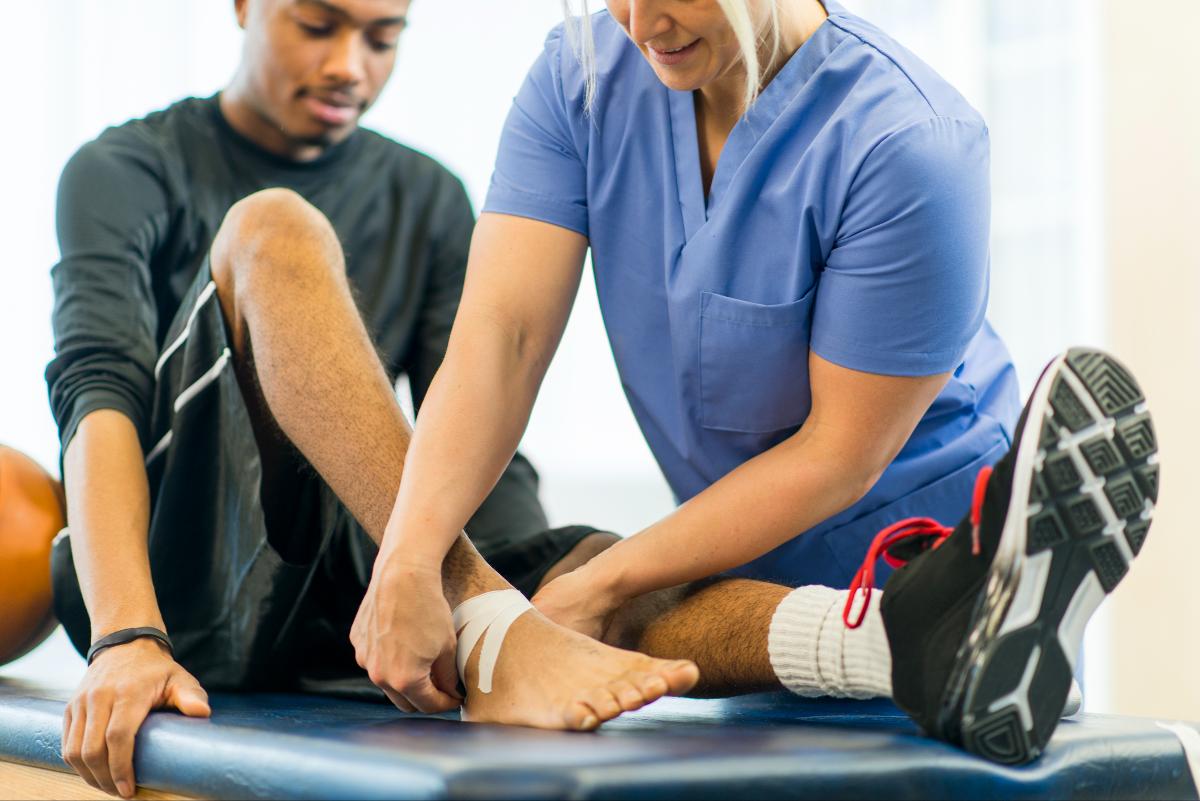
pixel 138 208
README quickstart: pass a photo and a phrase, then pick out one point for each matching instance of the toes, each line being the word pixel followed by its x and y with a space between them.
pixel 627 695
pixel 680 675
pixel 603 702
pixel 580 717
pixel 652 686
pixel 667 678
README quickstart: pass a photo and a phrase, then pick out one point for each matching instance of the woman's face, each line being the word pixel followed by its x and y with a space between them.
pixel 688 43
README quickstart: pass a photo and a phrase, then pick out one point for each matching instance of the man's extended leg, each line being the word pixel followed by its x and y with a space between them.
pixel 303 353
pixel 750 636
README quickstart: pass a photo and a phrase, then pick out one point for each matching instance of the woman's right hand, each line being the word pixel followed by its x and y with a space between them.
pixel 404 637
pixel 121 686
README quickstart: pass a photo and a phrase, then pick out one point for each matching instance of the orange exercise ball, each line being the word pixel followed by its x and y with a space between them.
pixel 31 515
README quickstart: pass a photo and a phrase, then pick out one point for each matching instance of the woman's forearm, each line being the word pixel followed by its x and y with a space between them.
pixel 522 278
pixel 469 427
pixel 857 426
pixel 757 507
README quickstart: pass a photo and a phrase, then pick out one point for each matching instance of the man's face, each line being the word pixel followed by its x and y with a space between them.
pixel 314 66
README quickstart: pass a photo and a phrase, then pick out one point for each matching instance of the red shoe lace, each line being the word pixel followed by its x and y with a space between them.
pixel 864 579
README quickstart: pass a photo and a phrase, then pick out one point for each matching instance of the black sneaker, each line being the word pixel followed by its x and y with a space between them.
pixel 985 621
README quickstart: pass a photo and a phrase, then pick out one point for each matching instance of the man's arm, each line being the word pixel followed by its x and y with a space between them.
pixel 112 212
pixel 108 504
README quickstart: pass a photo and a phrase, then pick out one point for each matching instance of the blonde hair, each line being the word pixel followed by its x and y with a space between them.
pixel 750 43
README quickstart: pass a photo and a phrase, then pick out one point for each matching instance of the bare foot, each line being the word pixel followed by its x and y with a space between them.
pixel 554 678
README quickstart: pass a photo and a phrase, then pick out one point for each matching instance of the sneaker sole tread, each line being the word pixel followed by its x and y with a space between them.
pixel 1091 490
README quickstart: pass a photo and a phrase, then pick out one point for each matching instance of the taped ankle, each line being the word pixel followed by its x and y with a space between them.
pixel 489 616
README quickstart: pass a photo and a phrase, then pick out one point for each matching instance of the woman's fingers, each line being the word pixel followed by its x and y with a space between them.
pixel 399 700
pixel 429 699
pixel 445 675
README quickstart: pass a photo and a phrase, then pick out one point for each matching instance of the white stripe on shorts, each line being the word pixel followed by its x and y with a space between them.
pixel 197 386
pixel 201 299
pixel 157 450
pixel 203 381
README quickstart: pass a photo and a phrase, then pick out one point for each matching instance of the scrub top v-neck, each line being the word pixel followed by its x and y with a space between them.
pixel 848 215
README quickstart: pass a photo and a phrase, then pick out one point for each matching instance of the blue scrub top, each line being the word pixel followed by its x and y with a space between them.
pixel 848 214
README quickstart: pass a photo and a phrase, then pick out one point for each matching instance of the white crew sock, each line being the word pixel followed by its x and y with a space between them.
pixel 814 653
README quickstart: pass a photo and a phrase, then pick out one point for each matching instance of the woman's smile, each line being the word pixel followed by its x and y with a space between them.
pixel 673 56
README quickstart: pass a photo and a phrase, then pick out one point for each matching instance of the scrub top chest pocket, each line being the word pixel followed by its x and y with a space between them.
pixel 754 363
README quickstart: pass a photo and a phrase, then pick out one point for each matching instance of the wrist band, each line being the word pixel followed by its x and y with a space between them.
pixel 128 635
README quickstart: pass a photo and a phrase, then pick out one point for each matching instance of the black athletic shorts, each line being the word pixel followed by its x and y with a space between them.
pixel 246 610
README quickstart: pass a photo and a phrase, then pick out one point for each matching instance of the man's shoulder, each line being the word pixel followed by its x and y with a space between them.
pixel 149 140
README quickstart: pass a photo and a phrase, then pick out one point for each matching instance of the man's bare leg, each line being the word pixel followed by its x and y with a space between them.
pixel 751 636
pixel 722 625
pixel 304 352
pixel 307 367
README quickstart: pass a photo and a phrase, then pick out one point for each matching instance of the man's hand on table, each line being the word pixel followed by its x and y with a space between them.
pixel 121 686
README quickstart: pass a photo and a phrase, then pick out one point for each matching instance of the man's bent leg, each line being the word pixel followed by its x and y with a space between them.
pixel 280 278
pixel 298 337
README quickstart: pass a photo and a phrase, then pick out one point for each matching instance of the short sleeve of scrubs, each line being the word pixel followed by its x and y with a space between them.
pixel 902 292
pixel 539 172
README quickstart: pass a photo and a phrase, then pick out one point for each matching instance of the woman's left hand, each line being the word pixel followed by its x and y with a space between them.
pixel 578 601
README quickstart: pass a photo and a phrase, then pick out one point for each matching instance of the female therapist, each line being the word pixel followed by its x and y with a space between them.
pixel 788 215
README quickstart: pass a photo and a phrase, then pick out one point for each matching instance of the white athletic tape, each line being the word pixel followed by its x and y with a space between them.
pixel 1189 738
pixel 491 613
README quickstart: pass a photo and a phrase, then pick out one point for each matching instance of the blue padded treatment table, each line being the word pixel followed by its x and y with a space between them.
pixel 760 746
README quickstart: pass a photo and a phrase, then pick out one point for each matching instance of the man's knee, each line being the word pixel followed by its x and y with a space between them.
pixel 270 236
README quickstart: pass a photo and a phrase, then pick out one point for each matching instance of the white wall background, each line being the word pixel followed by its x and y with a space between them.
pixel 80 65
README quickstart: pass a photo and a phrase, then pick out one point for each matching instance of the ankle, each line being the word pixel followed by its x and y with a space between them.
pixel 465 574
pixel 485 620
